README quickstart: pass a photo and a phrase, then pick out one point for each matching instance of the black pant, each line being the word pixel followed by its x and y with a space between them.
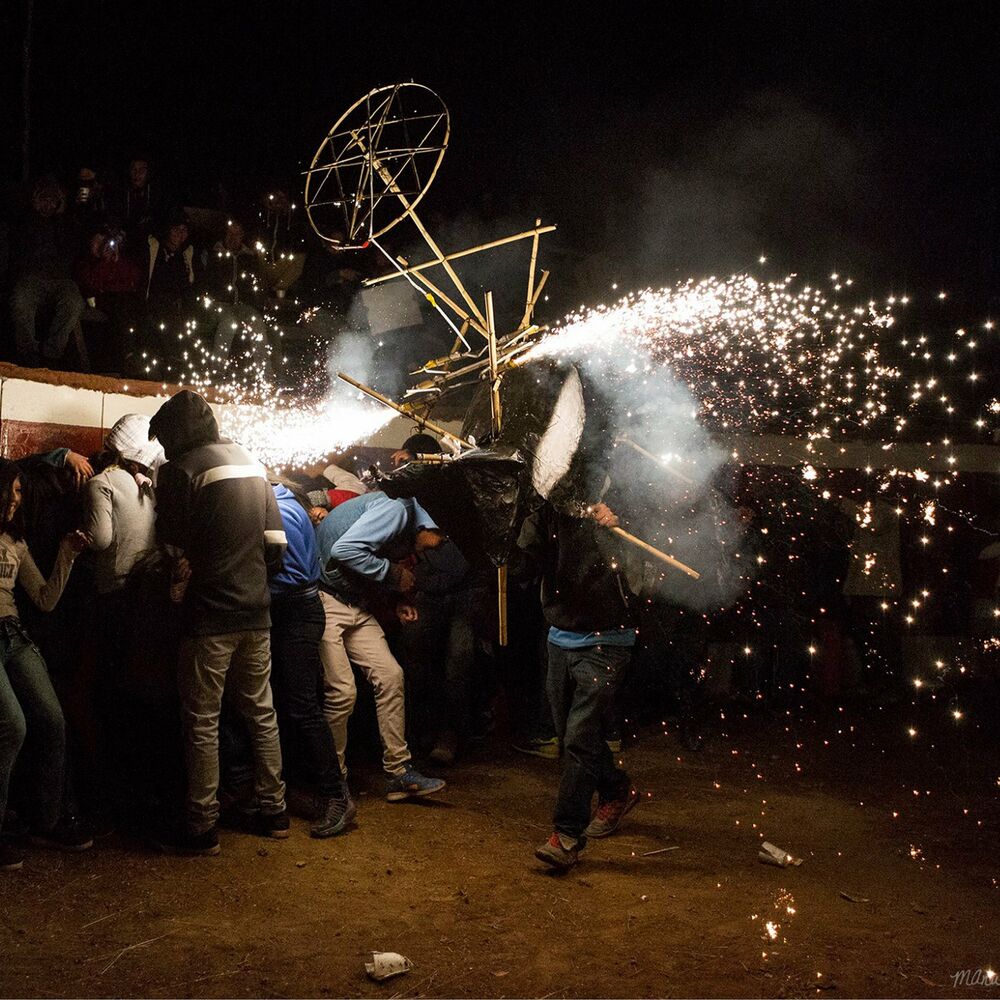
pixel 582 685
pixel 297 625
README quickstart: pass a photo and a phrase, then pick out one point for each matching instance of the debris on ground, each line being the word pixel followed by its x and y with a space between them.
pixel 771 855
pixel 386 964
pixel 851 898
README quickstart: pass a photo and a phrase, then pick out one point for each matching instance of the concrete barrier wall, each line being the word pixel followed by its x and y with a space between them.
pixel 41 410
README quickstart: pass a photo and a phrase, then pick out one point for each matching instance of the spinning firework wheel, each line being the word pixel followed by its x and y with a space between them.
pixel 376 163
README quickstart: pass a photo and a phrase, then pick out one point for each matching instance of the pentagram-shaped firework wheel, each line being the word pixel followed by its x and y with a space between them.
pixel 376 163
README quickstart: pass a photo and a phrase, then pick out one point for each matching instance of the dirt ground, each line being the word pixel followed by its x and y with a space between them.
pixel 881 906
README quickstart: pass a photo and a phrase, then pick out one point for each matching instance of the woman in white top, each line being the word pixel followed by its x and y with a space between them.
pixel 119 514
pixel 28 705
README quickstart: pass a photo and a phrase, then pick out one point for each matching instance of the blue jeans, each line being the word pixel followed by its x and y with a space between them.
pixel 582 685
pixel 29 707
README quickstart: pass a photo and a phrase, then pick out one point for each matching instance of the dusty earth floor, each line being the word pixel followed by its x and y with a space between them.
pixel 883 905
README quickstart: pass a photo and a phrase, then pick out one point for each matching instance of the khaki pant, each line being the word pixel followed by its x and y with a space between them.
pixel 354 636
pixel 207 662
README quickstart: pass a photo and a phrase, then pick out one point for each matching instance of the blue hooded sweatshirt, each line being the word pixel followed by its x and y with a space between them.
pixel 300 573
pixel 358 540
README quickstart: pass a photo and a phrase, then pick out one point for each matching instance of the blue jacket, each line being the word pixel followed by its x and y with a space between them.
pixel 300 573
pixel 359 539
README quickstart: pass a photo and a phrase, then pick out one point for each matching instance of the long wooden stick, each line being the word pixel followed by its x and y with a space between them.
pixel 653 551
pixel 461 253
pixel 529 299
pixel 496 414
pixel 448 301
pixel 422 422
pixel 654 458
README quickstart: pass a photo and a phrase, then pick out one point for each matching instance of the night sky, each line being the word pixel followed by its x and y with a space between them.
pixel 663 139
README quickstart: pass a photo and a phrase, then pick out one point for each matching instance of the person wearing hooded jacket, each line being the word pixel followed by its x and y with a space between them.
pixel 297 624
pixel 592 631
pixel 358 541
pixel 119 518
pixel 215 507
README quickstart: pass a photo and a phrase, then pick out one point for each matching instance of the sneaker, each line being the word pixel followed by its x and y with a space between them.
pixel 10 857
pixel 411 784
pixel 337 816
pixel 64 836
pixel 609 815
pixel 560 852
pixel 445 749
pixel 183 842
pixel 547 749
pixel 274 825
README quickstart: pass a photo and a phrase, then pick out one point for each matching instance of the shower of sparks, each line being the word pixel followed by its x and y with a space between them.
pixel 756 355
pixel 877 404
pixel 284 428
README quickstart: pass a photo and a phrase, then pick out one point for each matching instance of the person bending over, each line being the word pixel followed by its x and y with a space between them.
pixel 361 543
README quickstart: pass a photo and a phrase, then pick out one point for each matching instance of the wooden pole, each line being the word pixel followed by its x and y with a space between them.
pixel 496 414
pixel 462 253
pixel 653 551
pixel 391 185
pixel 421 422
pixel 529 302
pixel 448 301
pixel 659 461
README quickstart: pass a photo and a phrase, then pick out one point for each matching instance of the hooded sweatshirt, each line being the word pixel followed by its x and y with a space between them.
pixel 359 540
pixel 584 594
pixel 300 574
pixel 215 504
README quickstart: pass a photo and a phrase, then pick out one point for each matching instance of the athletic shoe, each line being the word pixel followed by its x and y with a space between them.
pixel 445 749
pixel 10 857
pixel 337 816
pixel 609 815
pixel 560 852
pixel 64 836
pixel 206 843
pixel 411 784
pixel 547 749
pixel 274 825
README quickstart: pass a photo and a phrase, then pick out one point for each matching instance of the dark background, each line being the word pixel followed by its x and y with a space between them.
pixel 664 139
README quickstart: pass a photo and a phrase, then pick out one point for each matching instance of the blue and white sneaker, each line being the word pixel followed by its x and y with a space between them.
pixel 411 784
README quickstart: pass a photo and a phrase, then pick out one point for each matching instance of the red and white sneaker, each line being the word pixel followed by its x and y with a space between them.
pixel 609 815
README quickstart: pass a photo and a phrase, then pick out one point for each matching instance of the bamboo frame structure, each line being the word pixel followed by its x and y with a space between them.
pixel 512 345
pixel 407 268
pixel 496 415
pixel 424 422
pixel 375 105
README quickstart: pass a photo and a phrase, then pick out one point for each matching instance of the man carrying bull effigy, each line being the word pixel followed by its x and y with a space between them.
pixel 592 632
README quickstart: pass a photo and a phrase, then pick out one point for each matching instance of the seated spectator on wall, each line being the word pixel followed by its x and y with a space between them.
pixel 167 280
pixel 89 208
pixel 108 280
pixel 135 207
pixel 229 268
pixel 231 280
pixel 45 303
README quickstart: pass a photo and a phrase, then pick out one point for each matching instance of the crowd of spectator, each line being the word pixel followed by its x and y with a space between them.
pixel 108 275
